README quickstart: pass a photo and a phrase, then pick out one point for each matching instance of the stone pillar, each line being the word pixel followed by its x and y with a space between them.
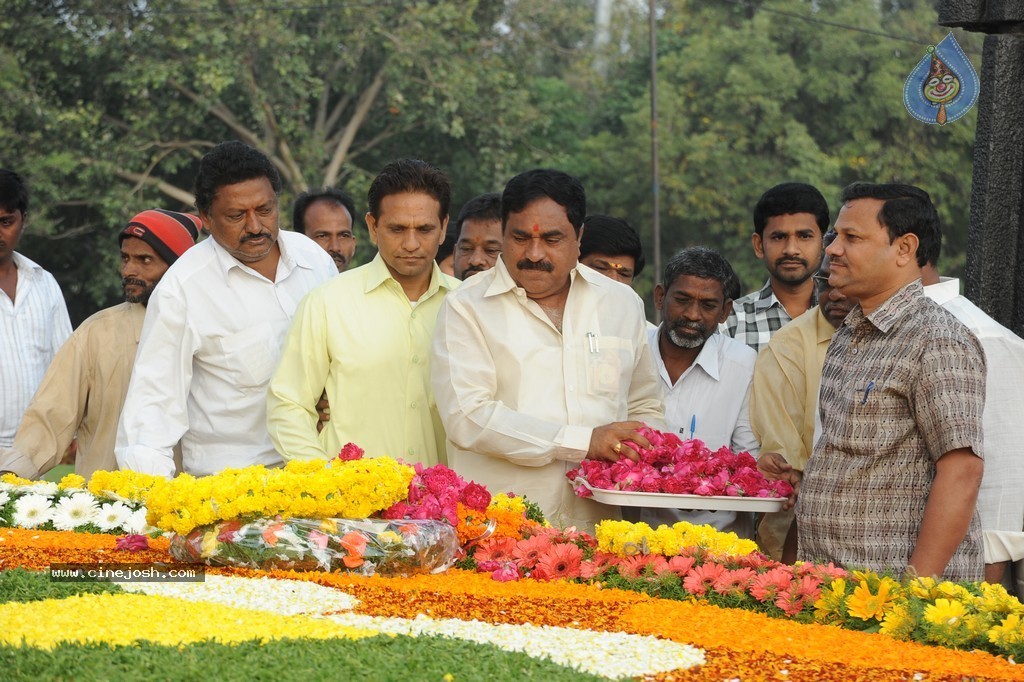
pixel 995 246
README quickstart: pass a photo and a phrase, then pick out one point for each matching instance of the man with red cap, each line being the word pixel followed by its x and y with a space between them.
pixel 84 388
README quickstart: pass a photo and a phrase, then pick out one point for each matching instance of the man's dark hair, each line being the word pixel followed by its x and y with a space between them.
pixel 328 194
pixel 787 199
pixel 447 245
pixel 700 261
pixel 540 183
pixel 230 163
pixel 612 237
pixel 13 192
pixel 410 175
pixel 905 210
pixel 484 207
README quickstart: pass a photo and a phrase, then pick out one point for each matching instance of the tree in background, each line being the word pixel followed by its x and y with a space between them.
pixel 110 103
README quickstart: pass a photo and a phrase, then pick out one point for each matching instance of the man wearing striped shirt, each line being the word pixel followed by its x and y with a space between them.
pixel 33 317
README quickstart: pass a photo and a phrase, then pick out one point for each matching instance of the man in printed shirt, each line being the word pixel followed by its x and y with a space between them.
pixel 33 318
pixel 541 361
pixel 365 335
pixel 215 324
pixel 789 222
pixel 894 478
pixel 83 391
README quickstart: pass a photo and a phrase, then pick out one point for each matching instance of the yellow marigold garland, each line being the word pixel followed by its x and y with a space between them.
pixel 126 485
pixel 623 538
pixel 304 489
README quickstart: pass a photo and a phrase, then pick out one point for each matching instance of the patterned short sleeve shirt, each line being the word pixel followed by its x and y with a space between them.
pixel 900 388
pixel 756 316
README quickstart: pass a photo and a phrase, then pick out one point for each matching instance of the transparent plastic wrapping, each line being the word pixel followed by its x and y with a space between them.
pixel 361 546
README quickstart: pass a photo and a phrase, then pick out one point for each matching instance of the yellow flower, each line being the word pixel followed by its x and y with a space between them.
pixel 831 601
pixel 944 612
pixel 865 605
pixel 922 588
pixel 209 544
pixel 1008 633
pixel 389 537
pixel 898 622
pixel 71 481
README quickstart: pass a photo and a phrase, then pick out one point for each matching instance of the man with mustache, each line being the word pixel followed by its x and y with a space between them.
pixel 479 235
pixel 893 481
pixel 326 216
pixel 789 222
pixel 538 362
pixel 215 325
pixel 784 401
pixel 365 335
pixel 84 389
pixel 705 375
pixel 33 317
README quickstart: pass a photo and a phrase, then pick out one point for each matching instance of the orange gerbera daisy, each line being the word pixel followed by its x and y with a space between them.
pixel 561 561
pixel 527 552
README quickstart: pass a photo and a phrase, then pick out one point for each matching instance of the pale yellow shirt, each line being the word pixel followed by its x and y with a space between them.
pixel 520 400
pixel 359 336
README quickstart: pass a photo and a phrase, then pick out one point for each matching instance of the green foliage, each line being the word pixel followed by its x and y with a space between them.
pixel 109 104
pixel 378 658
pixel 20 585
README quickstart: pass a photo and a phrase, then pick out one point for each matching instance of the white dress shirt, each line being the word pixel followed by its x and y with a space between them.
pixel 713 397
pixel 519 400
pixel 212 337
pixel 32 329
pixel 1001 497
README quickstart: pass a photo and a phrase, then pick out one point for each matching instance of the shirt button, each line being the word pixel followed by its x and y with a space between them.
pixel 571 388
pixel 415 359
pixel 410 451
pixel 854 351
pixel 413 316
pixel 413 404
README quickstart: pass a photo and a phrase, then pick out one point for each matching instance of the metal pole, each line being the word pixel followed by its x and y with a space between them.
pixel 655 183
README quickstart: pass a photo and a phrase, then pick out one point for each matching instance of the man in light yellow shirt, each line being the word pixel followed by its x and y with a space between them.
pixel 784 397
pixel 364 336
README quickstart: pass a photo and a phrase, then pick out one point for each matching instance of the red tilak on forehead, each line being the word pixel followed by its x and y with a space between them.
pixel 536 227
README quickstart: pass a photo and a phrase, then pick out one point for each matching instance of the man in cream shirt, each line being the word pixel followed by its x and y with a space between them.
pixel 541 361
pixel 215 324
pixel 365 335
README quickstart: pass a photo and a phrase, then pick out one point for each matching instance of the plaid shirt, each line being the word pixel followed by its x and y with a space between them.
pixel 900 388
pixel 756 316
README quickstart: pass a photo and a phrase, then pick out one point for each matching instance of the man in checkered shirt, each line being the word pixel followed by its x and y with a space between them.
pixel 789 222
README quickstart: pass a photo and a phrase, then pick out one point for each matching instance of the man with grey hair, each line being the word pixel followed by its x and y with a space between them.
pixel 706 375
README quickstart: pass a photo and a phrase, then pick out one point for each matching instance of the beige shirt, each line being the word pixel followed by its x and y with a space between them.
pixel 82 391
pixel 519 400
pixel 783 399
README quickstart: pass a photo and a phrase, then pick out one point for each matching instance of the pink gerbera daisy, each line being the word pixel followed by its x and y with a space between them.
pixel 496 550
pixel 767 586
pixel 561 561
pixel 734 582
pixel 528 551
pixel 701 578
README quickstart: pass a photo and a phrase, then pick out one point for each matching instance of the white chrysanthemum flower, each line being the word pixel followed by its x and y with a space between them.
pixel 136 522
pixel 74 511
pixel 31 511
pixel 113 515
pixel 45 488
pixel 4 497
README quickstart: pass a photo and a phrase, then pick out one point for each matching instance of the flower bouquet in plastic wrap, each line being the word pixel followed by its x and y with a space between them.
pixel 363 546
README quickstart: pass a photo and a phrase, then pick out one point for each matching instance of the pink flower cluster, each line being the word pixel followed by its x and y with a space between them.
pixel 435 493
pixel 679 467
pixel 349 452
pixel 548 554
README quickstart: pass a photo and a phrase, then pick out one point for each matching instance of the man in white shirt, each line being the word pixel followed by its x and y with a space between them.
pixel 540 361
pixel 706 375
pixel 215 325
pixel 1001 496
pixel 33 317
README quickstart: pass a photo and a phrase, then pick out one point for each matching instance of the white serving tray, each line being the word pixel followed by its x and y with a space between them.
pixel 625 498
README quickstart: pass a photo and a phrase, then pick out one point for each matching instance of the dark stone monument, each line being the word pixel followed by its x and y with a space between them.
pixel 994 277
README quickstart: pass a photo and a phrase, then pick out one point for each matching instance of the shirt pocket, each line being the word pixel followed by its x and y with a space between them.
pixel 608 364
pixel 247 356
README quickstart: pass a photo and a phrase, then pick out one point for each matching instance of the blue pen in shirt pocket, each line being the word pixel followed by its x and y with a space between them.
pixel 867 391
